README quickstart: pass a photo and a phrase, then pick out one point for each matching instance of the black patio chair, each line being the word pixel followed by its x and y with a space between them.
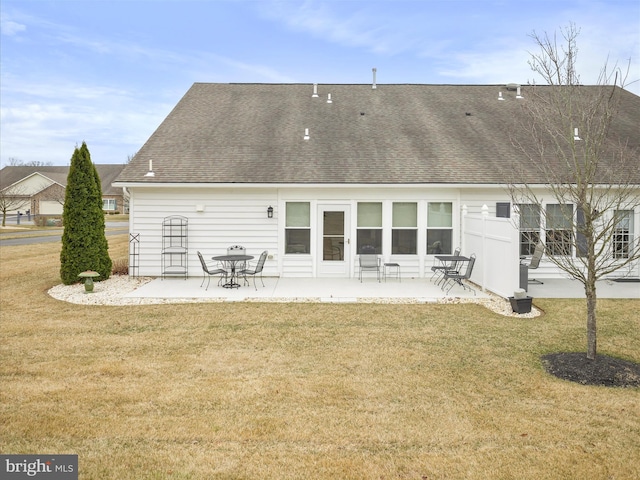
pixel 256 271
pixel 209 270
pixel 534 263
pixel 457 278
pixel 439 270
pixel 238 250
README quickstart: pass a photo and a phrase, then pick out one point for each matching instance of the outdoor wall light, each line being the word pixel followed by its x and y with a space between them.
pixel 270 212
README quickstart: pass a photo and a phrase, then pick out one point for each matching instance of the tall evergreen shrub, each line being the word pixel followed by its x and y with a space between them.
pixel 84 244
pixel 106 265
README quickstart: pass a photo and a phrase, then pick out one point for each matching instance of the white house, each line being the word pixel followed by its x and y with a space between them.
pixel 312 173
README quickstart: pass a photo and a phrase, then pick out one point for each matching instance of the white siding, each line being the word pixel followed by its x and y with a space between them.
pixel 223 216
pixel 227 218
pixel 31 185
pixel 239 216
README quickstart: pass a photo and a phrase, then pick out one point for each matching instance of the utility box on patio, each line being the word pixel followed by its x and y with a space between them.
pixel 524 277
pixel 520 302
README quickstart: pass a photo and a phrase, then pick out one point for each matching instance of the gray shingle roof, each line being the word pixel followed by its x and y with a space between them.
pixel 107 172
pixel 253 133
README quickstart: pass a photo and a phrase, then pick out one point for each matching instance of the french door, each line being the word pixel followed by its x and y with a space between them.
pixel 334 242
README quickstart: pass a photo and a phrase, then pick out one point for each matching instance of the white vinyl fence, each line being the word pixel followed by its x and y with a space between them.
pixel 495 241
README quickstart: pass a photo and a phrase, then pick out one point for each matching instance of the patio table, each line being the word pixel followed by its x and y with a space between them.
pixel 457 260
pixel 232 262
pixel 452 258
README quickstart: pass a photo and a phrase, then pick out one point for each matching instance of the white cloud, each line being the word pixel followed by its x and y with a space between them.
pixel 46 112
pixel 207 66
pixel 360 27
pixel 481 47
pixel 43 122
pixel 496 67
pixel 169 60
pixel 10 28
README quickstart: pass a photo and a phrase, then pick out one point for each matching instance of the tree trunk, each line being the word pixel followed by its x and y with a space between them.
pixel 590 290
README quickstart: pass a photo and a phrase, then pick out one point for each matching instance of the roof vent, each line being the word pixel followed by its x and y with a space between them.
pixel 329 98
pixel 306 134
pixel 373 86
pixel 500 96
pixel 315 90
pixel 512 86
pixel 150 173
pixel 518 92
pixel 575 134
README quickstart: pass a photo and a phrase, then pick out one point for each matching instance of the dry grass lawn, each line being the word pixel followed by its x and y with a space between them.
pixel 323 391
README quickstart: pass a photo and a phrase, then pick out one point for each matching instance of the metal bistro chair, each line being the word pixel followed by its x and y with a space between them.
pixel 439 270
pixel 238 250
pixel 256 271
pixel 534 263
pixel 208 271
pixel 457 278
pixel 369 260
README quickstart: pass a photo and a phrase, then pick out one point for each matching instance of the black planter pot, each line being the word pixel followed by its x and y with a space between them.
pixel 521 305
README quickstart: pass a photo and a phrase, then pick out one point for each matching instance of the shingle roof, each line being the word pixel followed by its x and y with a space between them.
pixel 253 133
pixel 107 172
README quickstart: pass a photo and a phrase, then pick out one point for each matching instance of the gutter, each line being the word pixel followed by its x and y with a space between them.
pixel 310 185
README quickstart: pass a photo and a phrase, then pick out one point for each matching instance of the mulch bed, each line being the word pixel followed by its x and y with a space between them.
pixel 604 370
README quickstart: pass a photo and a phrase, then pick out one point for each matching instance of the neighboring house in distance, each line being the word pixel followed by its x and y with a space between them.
pixel 314 173
pixel 42 189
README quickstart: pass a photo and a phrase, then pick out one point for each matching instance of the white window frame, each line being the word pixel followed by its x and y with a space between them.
pixel 556 243
pixel 107 203
pixel 436 227
pixel 300 227
pixel 401 223
pixel 622 241
pixel 363 224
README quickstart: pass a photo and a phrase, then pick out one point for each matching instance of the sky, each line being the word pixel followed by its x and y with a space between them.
pixel 109 72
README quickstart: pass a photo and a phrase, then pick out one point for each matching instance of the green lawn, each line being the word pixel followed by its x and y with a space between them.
pixel 323 391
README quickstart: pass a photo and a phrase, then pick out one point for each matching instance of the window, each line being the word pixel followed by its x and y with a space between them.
pixel 439 228
pixel 297 230
pixel 370 226
pixel 529 228
pixel 559 231
pixel 109 204
pixel 623 233
pixel 503 210
pixel 404 233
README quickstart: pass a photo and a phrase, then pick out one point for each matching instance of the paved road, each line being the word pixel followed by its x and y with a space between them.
pixel 31 236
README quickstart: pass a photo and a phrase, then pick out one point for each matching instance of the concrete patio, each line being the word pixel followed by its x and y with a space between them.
pixel 568 288
pixel 409 290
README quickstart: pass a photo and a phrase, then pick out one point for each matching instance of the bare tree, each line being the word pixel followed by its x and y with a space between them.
pixel 16 162
pixel 12 198
pixel 591 187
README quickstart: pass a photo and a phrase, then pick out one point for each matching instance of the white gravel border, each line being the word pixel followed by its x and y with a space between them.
pixel 113 290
